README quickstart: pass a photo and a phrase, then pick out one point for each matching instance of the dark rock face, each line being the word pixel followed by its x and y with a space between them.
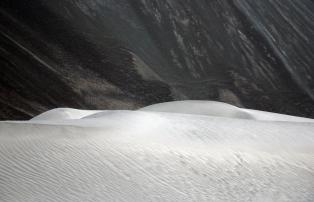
pixel 108 54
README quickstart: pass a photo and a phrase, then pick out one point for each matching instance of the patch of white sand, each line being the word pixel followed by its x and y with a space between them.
pixel 64 114
pixel 204 154
pixel 212 108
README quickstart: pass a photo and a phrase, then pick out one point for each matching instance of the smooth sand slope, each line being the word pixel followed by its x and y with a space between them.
pixel 180 151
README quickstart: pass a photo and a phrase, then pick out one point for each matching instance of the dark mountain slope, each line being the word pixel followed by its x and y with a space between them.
pixel 106 54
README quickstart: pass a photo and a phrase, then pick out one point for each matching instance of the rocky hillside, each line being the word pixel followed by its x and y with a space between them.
pixel 109 54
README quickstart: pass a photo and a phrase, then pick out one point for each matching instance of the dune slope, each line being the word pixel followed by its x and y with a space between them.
pixel 156 156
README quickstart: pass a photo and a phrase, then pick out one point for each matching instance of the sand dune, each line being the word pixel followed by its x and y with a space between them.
pixel 186 151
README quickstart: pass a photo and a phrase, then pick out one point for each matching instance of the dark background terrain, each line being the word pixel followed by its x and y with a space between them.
pixel 124 54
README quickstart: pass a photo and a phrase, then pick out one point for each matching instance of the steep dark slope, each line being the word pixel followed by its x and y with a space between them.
pixel 106 54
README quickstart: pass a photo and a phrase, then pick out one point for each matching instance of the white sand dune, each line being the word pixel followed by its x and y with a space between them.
pixel 63 114
pixel 212 108
pixel 180 151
